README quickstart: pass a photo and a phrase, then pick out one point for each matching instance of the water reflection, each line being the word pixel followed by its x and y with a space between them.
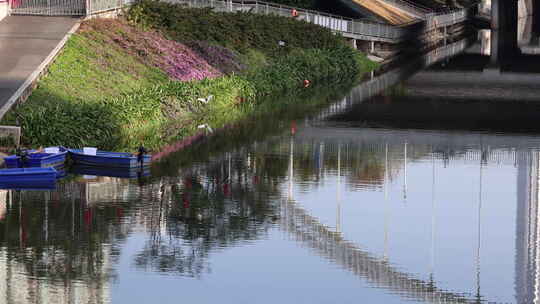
pixel 64 245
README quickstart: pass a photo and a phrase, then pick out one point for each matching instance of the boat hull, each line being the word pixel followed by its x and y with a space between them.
pixel 37 160
pixel 28 178
pixel 109 159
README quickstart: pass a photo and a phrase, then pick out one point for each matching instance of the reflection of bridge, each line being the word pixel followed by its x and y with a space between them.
pixel 376 85
pixel 329 244
pixel 528 230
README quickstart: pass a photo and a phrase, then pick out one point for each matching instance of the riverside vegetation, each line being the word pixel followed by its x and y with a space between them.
pixel 165 69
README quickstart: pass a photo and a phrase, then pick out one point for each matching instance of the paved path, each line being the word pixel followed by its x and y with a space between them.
pixel 25 43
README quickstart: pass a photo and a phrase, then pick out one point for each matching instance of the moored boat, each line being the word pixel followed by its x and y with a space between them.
pixel 110 159
pixel 27 177
pixel 49 157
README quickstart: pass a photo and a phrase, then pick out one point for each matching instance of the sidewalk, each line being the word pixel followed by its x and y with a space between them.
pixel 26 42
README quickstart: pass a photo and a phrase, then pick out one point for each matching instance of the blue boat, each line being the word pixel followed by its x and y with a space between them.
pixel 28 178
pixel 111 172
pixel 61 172
pixel 110 159
pixel 35 159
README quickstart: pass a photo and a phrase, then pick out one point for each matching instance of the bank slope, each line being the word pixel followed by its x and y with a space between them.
pixel 154 79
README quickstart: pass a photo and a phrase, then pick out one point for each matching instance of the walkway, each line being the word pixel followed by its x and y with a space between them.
pixel 25 44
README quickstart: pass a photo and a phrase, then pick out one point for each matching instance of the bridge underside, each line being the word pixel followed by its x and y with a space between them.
pixel 382 11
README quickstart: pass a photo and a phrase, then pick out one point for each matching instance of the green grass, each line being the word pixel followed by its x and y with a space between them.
pixel 87 70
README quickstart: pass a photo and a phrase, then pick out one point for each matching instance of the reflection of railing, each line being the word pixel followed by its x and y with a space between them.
pixel 308 230
pixel 376 85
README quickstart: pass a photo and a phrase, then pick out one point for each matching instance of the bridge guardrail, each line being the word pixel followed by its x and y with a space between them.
pixel 435 20
pixel 333 22
pixel 347 26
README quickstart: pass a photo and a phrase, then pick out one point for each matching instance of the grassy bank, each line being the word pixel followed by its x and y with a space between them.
pixel 119 84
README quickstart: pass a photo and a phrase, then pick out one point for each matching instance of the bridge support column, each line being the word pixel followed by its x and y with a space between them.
pixel 504 13
pixel 352 42
pixel 536 18
pixel 504 30
pixel 445 35
pixel 525 8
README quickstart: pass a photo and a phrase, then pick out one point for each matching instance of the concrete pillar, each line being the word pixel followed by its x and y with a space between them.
pixel 525 8
pixel 353 43
pixel 485 7
pixel 494 57
pixel 536 17
pixel 504 28
pixel 445 35
pixel 495 8
pixel 504 13
pixel 372 47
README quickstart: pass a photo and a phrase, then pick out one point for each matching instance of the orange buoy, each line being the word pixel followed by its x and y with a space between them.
pixel 294 13
pixel 307 83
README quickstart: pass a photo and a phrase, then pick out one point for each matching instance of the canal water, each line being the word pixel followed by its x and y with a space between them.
pixel 419 185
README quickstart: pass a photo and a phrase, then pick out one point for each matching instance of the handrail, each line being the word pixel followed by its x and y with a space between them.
pixel 277 5
pixel 354 27
pixel 333 22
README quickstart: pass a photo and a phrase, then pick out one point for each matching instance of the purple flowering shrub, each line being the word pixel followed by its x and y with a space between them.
pixel 221 58
pixel 185 63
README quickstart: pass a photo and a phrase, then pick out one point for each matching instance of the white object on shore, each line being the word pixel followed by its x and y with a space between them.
pixel 205 126
pixel 52 150
pixel 89 151
pixel 207 99
pixel 375 58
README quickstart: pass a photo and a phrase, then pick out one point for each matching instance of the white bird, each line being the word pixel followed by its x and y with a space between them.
pixel 205 126
pixel 205 100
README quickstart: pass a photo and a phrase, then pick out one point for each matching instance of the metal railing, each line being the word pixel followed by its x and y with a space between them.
pixel 359 28
pixel 48 7
pixel 98 6
pixel 435 20
pixel 346 26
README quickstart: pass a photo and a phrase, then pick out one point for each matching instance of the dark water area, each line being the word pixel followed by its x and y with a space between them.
pixel 416 186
